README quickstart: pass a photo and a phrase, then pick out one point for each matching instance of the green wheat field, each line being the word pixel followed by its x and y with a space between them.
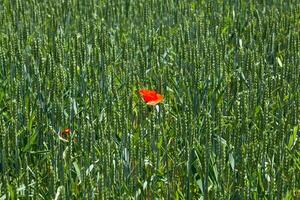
pixel 229 125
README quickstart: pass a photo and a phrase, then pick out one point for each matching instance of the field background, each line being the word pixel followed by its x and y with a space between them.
pixel 228 128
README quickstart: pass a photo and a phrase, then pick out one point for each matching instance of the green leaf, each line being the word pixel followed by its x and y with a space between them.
pixel 11 191
pixel 279 62
pixel 293 138
pixel 231 161
pixel 89 170
pixel 31 142
pixel 77 169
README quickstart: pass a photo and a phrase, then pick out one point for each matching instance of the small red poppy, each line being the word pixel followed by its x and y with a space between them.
pixel 151 97
pixel 66 135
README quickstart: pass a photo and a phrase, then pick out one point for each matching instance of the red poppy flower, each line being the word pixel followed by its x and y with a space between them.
pixel 151 97
pixel 66 135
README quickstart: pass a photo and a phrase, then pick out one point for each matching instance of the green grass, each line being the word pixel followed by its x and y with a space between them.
pixel 228 128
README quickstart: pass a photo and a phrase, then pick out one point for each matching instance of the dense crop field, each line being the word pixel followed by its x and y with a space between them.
pixel 228 127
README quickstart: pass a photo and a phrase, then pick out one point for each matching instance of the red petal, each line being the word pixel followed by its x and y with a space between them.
pixel 151 97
